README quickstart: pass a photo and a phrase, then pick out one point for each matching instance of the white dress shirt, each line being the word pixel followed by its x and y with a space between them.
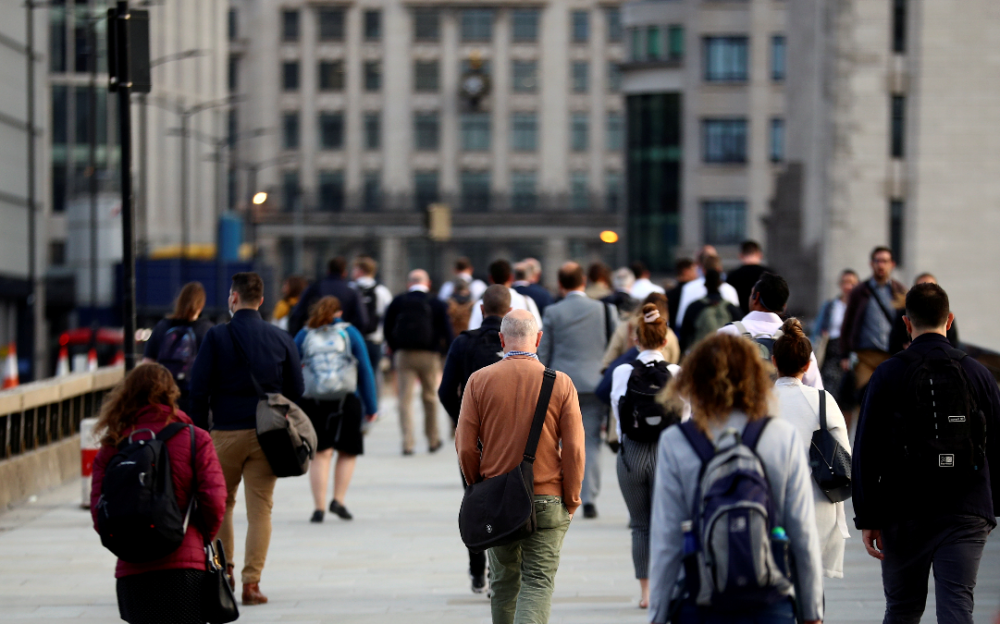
pixel 476 287
pixel 695 290
pixel 642 287
pixel 383 297
pixel 517 302
pixel 769 323
pixel 619 383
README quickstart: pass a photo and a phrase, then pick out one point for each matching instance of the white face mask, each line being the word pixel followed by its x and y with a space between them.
pixel 231 313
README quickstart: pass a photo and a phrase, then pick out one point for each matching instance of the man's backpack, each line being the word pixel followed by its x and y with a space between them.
pixel 414 328
pixel 459 313
pixel 178 350
pixel 764 342
pixel 742 564
pixel 484 349
pixel 642 417
pixel 137 514
pixel 329 369
pixel 369 299
pixel 713 317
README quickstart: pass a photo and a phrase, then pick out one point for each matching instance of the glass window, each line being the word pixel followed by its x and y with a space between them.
pixel 579 132
pixel 616 132
pixel 475 189
pixel 580 26
pixel 897 209
pixel 373 131
pixel 525 25
pixel 653 46
pixel 290 76
pixel 525 76
pixel 426 25
pixel 477 24
pixel 725 140
pixel 613 190
pixel 636 47
pixel 777 139
pixel 524 193
pixel 425 188
pixel 426 131
pixel 675 42
pixel 290 25
pixel 426 76
pixel 579 194
pixel 57 39
pixel 614 77
pixel 60 114
pixel 372 190
pixel 614 17
pixel 724 221
pixel 290 130
pixel 83 37
pixel 524 132
pixel 331 190
pixel 233 25
pixel 331 24
pixel 331 75
pixel 778 58
pixel 331 131
pixel 581 76
pixel 290 192
pixel 373 75
pixel 81 99
pixel 726 59
pixel 897 140
pixel 899 26
pixel 373 25
pixel 232 126
pixel 234 72
pixel 476 132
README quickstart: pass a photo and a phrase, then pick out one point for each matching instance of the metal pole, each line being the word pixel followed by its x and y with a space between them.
pixel 142 212
pixel 219 270
pixel 92 172
pixel 184 194
pixel 251 207
pixel 128 210
pixel 33 297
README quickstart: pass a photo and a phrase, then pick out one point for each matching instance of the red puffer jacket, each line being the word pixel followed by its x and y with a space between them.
pixel 211 489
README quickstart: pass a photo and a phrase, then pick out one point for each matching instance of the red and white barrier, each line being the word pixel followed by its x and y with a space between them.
pixel 92 360
pixel 10 379
pixel 89 445
pixel 62 367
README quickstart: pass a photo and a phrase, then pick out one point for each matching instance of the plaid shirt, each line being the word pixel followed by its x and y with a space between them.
pixel 510 353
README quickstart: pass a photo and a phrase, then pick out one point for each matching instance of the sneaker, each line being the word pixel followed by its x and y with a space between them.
pixel 317 516
pixel 340 510
pixel 589 511
pixel 478 583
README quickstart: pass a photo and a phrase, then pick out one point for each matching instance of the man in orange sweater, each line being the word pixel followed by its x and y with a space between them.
pixel 497 410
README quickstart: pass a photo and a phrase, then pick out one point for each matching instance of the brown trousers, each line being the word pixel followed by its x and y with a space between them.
pixel 868 361
pixel 242 458
pixel 425 365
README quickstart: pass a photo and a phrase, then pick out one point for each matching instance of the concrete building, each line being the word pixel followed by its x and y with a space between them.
pixel 507 112
pixel 705 100
pixel 893 136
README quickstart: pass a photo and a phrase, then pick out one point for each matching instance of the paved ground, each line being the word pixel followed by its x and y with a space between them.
pixel 400 558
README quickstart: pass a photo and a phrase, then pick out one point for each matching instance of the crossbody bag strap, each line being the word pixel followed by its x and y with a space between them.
pixel 541 408
pixel 871 291
pixel 194 485
pixel 243 356
pixel 607 325
pixel 822 409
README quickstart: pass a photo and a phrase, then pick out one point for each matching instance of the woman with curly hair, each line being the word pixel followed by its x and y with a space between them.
pixel 168 590
pixel 728 388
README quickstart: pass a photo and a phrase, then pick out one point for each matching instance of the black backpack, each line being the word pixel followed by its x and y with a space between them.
pixel 941 431
pixel 414 327
pixel 137 514
pixel 177 352
pixel 642 417
pixel 370 301
pixel 484 349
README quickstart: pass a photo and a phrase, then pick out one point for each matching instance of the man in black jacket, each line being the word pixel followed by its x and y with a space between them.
pixel 418 332
pixel 926 483
pixel 335 284
pixel 221 385
pixel 745 277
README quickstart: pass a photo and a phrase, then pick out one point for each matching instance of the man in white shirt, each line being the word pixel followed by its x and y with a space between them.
pixel 643 286
pixel 695 289
pixel 376 298
pixel 767 301
pixel 463 271
pixel 501 273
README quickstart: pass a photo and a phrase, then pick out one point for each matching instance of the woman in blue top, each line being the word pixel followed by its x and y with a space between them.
pixel 325 362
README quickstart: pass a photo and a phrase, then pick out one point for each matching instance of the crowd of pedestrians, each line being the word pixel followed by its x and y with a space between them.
pixel 731 428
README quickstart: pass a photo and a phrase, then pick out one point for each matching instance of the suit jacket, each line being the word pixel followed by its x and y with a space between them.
pixel 575 341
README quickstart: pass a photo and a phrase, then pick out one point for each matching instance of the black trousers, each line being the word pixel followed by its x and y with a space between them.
pixel 953 545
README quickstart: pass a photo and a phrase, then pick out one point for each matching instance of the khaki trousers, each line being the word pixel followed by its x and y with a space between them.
pixel 868 361
pixel 242 458
pixel 426 366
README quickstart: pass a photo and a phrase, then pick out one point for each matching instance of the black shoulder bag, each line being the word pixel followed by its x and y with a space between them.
pixel 830 462
pixel 501 510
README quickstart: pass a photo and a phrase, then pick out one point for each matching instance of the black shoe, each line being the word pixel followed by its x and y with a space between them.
pixel 317 516
pixel 407 452
pixel 589 511
pixel 435 448
pixel 478 583
pixel 340 510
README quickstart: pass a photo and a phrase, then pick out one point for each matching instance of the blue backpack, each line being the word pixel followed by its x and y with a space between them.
pixel 178 351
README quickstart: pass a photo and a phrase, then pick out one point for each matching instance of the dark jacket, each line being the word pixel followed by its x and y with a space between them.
pixel 622 301
pixel 881 498
pixel 743 280
pixel 898 339
pixel 857 307
pixel 541 296
pixel 220 379
pixel 458 367
pixel 603 390
pixel 350 302
pixel 674 304
pixel 441 324
pixel 210 490
pixel 688 328
pixel 152 350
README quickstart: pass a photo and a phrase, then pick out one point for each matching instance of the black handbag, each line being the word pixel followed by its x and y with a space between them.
pixel 830 462
pixel 501 510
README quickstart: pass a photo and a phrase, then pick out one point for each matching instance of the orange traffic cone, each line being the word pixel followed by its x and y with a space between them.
pixel 119 359
pixel 10 368
pixel 62 367
pixel 92 360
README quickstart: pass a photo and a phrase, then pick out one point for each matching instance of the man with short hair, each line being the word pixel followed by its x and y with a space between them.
pixel 334 284
pixel 497 411
pixel 526 275
pixel 745 277
pixel 899 339
pixel 925 477
pixel 577 332
pixel 685 271
pixel 642 285
pixel 418 332
pixel 463 272
pixel 375 298
pixel 621 281
pixel 695 289
pixel 501 273
pixel 224 400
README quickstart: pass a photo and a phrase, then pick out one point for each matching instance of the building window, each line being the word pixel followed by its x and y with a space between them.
pixel 476 132
pixel 331 131
pixel 896 213
pixel 232 126
pixel 579 194
pixel 425 76
pixel 654 47
pixel 616 132
pixel 57 253
pixel 331 75
pixel 778 58
pixel 525 25
pixel 83 37
pixel 579 132
pixel 725 140
pixel 426 25
pixel 613 190
pixel 289 26
pixel 425 188
pixel 580 27
pixel 777 139
pixel 524 132
pixel 373 75
pixel 290 76
pixel 580 71
pixel 331 191
pixel 290 131
pixel 477 24
pixel 524 193
pixel 724 222
pixel 899 26
pixel 475 189
pixel 426 131
pixel 331 24
pixel 675 43
pixel 233 25
pixel 726 59
pixel 373 25
pixel 485 67
pixel 57 37
pixel 614 77
pixel 372 190
pixel 525 76
pixel 373 131
pixel 290 190
pixel 60 114
pixel 614 19
pixel 234 73
pixel 897 141
pixel 636 44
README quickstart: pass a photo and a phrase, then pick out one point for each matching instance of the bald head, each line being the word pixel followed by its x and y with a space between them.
pixel 519 332
pixel 418 277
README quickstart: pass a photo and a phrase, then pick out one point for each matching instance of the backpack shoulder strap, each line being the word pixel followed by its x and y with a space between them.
pixel 701 444
pixel 742 329
pixel 752 432
pixel 822 409
pixel 541 408
pixel 170 431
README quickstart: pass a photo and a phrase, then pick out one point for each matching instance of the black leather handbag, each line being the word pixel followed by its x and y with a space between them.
pixel 501 510
pixel 830 462
pixel 218 604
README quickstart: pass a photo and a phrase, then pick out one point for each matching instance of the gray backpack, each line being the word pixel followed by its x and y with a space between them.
pixel 764 342
pixel 713 317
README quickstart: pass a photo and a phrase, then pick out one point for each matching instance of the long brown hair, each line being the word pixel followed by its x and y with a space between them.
pixel 792 350
pixel 149 384
pixel 189 302
pixel 323 312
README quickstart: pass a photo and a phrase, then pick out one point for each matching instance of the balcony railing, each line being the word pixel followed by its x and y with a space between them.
pixel 470 203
